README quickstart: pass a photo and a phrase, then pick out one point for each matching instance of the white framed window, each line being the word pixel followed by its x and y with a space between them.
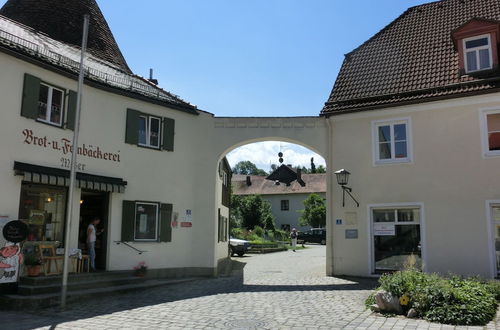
pixel 149 131
pixel 391 141
pixel 396 238
pixel 50 105
pixel 477 53
pixel 490 132
pixel 146 221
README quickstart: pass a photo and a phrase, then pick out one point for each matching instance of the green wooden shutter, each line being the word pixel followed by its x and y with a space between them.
pixel 168 134
pixel 31 94
pixel 132 128
pixel 218 226
pixel 71 113
pixel 128 219
pixel 165 225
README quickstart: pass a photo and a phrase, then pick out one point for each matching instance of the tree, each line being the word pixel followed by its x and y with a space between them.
pixel 250 211
pixel 314 214
pixel 246 167
pixel 313 166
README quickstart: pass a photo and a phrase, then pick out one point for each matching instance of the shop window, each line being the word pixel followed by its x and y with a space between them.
pixel 477 51
pixel 391 141
pixel 149 131
pixel 146 221
pixel 490 123
pixel 43 208
pixel 46 103
pixel 285 205
pixel 396 238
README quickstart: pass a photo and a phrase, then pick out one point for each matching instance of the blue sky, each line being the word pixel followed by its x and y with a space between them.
pixel 247 57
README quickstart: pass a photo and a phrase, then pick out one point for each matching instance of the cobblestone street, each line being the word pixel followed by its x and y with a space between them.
pixel 284 290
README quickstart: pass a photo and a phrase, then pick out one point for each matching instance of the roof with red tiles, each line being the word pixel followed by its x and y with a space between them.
pixel 412 60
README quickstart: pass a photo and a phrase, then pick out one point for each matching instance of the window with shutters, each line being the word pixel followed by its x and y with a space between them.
pixel 149 131
pixel 47 103
pixel 146 221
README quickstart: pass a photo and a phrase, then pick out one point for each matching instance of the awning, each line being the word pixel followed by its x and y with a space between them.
pixel 59 177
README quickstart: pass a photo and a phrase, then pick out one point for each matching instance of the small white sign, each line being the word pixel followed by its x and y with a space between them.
pixel 384 229
pixel 189 216
pixel 143 223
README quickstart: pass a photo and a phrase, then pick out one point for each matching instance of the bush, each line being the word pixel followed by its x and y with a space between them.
pixel 237 233
pixel 258 231
pixel 451 300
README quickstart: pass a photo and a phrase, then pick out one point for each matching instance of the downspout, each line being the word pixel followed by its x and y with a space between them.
pixel 329 201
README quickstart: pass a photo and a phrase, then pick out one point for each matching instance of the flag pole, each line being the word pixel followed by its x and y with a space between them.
pixel 72 177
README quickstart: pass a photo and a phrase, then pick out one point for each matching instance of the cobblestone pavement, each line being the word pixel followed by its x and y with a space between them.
pixel 283 290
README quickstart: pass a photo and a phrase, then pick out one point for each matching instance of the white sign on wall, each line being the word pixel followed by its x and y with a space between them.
pixel 384 229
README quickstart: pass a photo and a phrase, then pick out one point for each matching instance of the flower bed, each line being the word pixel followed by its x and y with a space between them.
pixel 453 300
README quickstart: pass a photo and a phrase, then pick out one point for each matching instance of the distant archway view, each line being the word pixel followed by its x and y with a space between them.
pixel 276 187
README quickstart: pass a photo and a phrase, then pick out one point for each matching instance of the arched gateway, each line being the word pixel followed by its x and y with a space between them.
pixel 232 132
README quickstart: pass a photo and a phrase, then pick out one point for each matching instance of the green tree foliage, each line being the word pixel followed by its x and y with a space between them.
pixel 314 214
pixel 246 167
pixel 250 211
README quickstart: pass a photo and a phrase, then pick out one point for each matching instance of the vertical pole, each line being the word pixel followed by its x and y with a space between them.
pixel 73 162
pixel 330 227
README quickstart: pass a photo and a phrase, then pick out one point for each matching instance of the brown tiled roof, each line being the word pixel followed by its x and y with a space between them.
pixel 412 60
pixel 62 20
pixel 315 183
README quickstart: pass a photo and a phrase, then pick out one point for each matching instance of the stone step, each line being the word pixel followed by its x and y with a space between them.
pixel 88 283
pixel 17 301
pixel 72 277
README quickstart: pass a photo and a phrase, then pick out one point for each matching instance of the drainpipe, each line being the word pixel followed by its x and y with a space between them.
pixel 329 201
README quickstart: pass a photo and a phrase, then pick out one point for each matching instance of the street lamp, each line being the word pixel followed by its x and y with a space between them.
pixel 342 180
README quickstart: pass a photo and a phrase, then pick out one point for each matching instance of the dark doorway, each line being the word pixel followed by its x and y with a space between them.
pixel 94 204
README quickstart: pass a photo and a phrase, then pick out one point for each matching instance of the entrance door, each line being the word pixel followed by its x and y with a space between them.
pixel 495 218
pixel 94 204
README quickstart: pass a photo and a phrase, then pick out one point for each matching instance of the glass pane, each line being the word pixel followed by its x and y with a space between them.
pixel 471 61
pixel 155 132
pixel 494 141
pixel 493 122
pixel 384 133
pixel 384 215
pixel 495 213
pixel 56 106
pixel 142 130
pixel 484 59
pixel 42 102
pixel 385 151
pixel 408 215
pixel 399 132
pixel 476 43
pixel 401 150
pixel 400 250
pixel 497 246
pixel 43 209
pixel 146 221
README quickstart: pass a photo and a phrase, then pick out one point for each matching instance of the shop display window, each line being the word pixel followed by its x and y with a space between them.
pixel 146 221
pixel 43 208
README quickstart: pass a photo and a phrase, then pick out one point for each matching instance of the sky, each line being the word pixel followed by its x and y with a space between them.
pixel 247 57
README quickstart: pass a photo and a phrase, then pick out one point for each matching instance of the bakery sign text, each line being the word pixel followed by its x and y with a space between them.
pixel 65 146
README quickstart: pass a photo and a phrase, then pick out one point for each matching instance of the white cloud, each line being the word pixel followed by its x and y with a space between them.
pixel 263 154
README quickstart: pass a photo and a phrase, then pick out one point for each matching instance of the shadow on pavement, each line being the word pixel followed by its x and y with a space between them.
pixel 52 317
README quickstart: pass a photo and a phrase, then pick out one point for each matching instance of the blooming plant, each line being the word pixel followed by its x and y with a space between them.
pixel 141 268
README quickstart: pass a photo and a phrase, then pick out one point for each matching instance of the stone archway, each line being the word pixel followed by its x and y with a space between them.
pixel 311 132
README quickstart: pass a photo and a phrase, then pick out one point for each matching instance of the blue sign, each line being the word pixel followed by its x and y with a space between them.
pixel 338 221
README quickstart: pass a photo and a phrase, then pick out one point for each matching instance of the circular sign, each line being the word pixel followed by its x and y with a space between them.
pixel 15 231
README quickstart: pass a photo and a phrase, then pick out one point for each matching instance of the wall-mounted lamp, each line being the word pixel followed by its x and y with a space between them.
pixel 342 180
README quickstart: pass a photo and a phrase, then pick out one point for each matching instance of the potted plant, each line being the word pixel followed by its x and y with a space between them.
pixel 33 264
pixel 140 269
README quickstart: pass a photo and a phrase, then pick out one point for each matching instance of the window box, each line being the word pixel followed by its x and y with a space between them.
pixel 144 221
pixel 149 131
pixel 47 103
pixel 391 141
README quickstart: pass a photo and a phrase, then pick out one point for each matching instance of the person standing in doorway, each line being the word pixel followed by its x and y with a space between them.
pixel 293 236
pixel 91 238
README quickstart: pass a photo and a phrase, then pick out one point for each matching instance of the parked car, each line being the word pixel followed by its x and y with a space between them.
pixel 239 246
pixel 315 235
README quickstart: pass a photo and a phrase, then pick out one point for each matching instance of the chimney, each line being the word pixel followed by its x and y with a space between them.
pixel 299 177
pixel 154 81
pixel 249 181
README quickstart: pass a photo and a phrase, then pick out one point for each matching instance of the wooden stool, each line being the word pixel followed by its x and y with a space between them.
pixel 82 262
pixel 48 254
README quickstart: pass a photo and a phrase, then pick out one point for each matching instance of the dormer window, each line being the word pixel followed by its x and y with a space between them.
pixel 478 53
